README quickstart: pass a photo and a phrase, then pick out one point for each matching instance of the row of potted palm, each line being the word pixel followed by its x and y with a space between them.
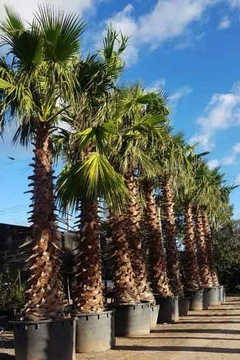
pixel 118 148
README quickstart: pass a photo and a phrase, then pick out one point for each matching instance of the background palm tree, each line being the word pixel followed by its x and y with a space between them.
pixel 134 128
pixel 88 174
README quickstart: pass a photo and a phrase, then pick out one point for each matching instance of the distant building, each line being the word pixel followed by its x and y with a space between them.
pixel 13 254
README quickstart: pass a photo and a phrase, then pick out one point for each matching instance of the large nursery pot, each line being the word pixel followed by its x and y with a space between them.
pixel 221 290
pixel 205 299
pixel 213 296
pixel 183 305
pixel 154 312
pixel 95 332
pixel 44 340
pixel 196 302
pixel 224 294
pixel 169 311
pixel 132 319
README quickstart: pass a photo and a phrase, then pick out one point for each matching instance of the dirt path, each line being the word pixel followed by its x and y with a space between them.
pixel 207 335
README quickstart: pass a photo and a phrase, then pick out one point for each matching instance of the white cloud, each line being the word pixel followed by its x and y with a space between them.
pixel 222 113
pixel 156 85
pixel 184 91
pixel 237 180
pixel 236 148
pixel 213 164
pixel 225 23
pixel 26 8
pixel 160 24
pixel 234 3
pixel 232 157
pixel 229 160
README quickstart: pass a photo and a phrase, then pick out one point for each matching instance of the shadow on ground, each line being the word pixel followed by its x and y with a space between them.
pixel 187 338
pixel 179 348
pixel 7 344
pixel 6 356
pixel 200 331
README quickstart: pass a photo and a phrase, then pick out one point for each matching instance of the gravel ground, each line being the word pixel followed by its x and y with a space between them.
pixel 206 335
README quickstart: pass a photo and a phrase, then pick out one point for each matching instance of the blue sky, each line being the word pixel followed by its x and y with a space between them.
pixel 190 48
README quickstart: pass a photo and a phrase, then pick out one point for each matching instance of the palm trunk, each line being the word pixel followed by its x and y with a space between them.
pixel 202 252
pixel 171 246
pixel 133 231
pixel 191 269
pixel 125 290
pixel 88 290
pixel 44 294
pixel 154 240
pixel 209 247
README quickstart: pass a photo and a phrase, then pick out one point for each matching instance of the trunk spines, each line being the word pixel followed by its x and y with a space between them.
pixel 125 290
pixel 170 234
pixel 88 290
pixel 192 275
pixel 209 248
pixel 202 254
pixel 154 240
pixel 134 237
pixel 45 296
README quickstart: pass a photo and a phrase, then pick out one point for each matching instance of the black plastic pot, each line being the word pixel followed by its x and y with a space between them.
pixel 169 311
pixel 196 302
pixel 154 312
pixel 44 340
pixel 183 304
pixel 95 332
pixel 213 296
pixel 132 319
pixel 205 299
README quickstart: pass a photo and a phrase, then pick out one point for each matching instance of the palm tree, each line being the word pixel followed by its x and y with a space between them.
pixel 151 224
pixel 88 174
pixel 187 190
pixel 215 206
pixel 171 164
pixel 37 84
pixel 154 239
pixel 201 192
pixel 137 127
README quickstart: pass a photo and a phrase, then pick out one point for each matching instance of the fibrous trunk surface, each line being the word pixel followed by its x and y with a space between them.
pixel 191 269
pixel 125 290
pixel 88 289
pixel 209 247
pixel 134 237
pixel 154 239
pixel 202 252
pixel 171 246
pixel 44 294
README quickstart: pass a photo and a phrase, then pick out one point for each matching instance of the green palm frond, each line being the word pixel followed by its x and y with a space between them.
pixel 5 84
pixel 92 178
pixel 97 137
pixel 114 45
pixel 60 33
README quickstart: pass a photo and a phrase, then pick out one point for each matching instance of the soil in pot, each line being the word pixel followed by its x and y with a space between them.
pixel 132 319
pixel 44 340
pixel 95 332
pixel 169 311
